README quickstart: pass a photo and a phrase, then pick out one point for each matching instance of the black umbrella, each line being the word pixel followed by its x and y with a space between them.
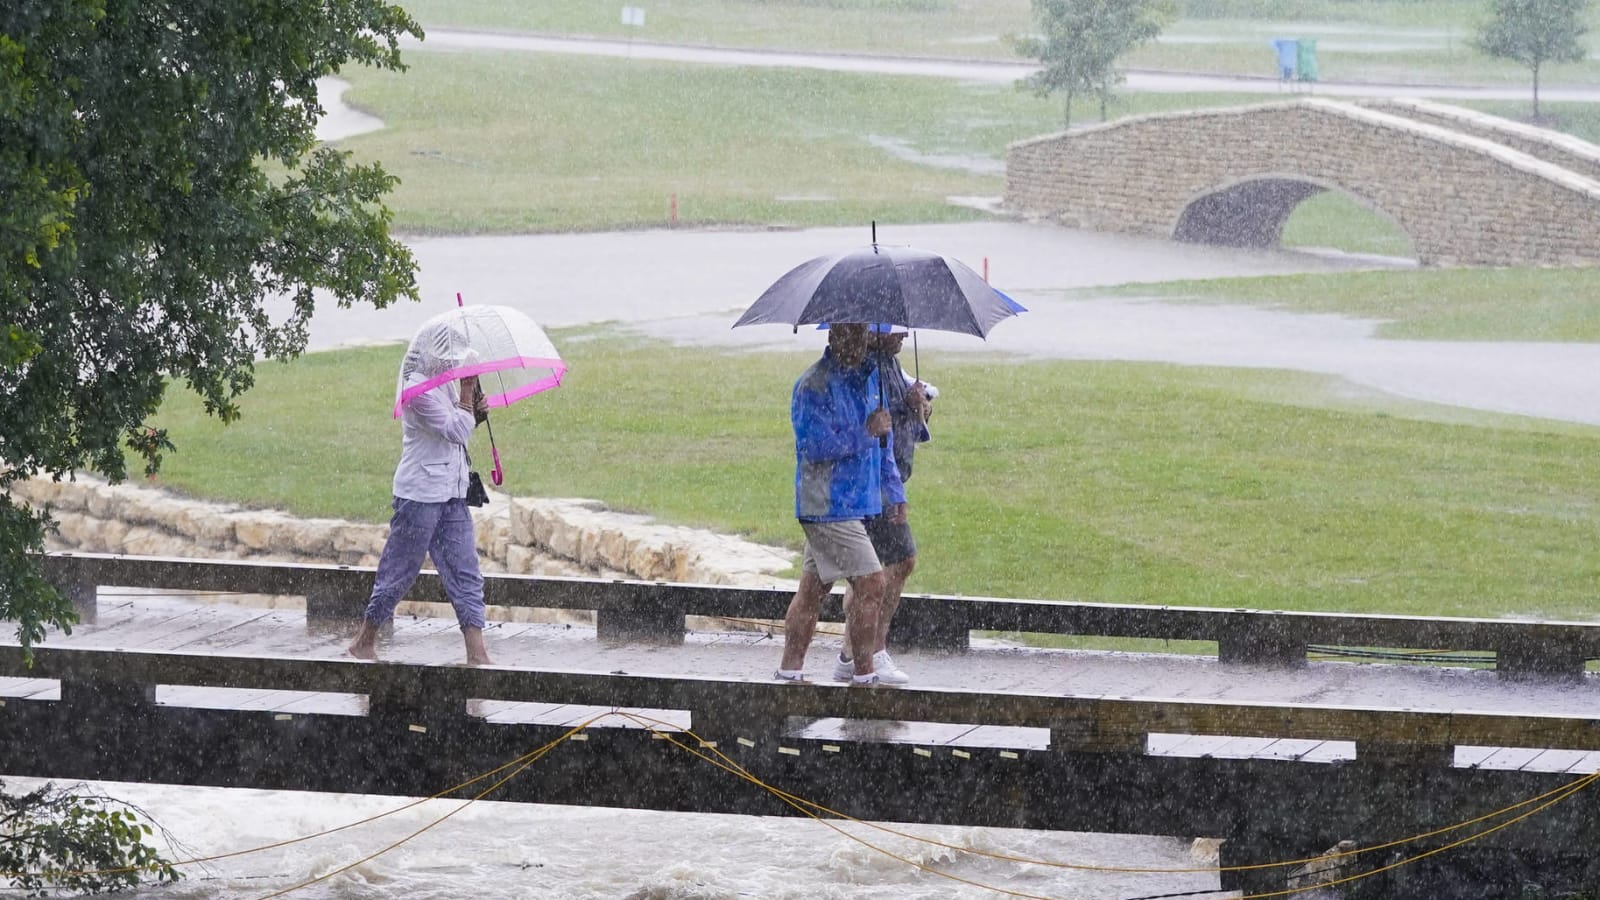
pixel 897 285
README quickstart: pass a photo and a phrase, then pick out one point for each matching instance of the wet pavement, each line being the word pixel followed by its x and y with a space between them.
pixel 688 286
pixel 985 71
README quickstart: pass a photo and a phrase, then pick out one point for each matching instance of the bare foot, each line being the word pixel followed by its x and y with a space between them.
pixel 365 645
pixel 477 654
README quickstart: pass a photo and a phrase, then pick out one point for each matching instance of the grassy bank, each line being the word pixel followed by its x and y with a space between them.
pixel 1093 481
pixel 492 142
pixel 1427 304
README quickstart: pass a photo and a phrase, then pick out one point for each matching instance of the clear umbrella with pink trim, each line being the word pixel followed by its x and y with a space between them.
pixel 511 355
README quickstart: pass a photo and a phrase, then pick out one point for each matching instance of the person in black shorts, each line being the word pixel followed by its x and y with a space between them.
pixel 843 476
pixel 909 407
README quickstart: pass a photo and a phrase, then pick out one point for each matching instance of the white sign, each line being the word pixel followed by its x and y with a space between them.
pixel 633 15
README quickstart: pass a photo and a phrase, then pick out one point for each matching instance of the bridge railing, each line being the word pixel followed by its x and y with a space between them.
pixel 656 611
pixel 722 709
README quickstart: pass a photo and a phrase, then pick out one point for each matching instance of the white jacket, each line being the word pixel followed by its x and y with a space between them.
pixel 433 446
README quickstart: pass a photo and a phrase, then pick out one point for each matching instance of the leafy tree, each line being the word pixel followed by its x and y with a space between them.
pixel 1535 32
pixel 1081 42
pixel 53 839
pixel 162 183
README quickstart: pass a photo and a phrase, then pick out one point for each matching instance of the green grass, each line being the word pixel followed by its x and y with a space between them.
pixel 1426 304
pixel 1091 481
pixel 522 142
pixel 1337 221
pixel 497 142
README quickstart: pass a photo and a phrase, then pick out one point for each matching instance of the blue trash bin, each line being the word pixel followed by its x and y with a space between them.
pixel 1288 50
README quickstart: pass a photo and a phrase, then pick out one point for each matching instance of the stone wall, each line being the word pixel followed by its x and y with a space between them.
pixel 533 536
pixel 1462 198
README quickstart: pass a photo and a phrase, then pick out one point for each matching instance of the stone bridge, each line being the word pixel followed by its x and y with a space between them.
pixel 1467 188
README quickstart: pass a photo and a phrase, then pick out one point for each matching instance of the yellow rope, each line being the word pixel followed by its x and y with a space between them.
pixel 530 758
pixel 729 765
pixel 1574 788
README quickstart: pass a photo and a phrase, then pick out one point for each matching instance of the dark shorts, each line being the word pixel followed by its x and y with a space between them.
pixel 892 542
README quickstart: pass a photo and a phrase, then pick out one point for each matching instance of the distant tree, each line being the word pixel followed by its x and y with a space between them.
pixel 161 180
pixel 1535 32
pixel 1080 41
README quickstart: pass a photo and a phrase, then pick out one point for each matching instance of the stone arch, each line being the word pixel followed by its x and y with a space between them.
pixel 1463 189
pixel 1251 212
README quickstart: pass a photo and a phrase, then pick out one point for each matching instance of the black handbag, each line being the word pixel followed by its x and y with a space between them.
pixel 476 495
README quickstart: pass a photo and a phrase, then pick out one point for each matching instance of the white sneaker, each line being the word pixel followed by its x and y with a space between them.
pixel 790 677
pixel 888 672
pixel 843 669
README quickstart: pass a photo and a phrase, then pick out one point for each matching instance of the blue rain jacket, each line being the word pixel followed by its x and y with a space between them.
pixel 840 471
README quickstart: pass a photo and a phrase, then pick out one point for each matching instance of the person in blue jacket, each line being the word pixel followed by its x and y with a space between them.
pixel 843 475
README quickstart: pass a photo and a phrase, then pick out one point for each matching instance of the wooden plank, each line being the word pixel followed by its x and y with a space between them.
pixel 1188 745
pixel 1509 758
pixel 1587 764
pixel 1330 752
pixel 138 632
pixel 23 688
pixel 1289 749
pixel 1556 760
pixel 503 712
pixel 1006 737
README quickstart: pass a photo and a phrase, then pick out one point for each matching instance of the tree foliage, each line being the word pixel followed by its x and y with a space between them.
pixel 53 839
pixel 1079 42
pixel 168 216
pixel 1533 33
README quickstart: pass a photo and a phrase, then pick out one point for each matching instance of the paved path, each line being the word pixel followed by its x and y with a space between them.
pixel 689 286
pixel 988 71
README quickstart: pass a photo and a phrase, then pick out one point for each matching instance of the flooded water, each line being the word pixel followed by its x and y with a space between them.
pixel 507 850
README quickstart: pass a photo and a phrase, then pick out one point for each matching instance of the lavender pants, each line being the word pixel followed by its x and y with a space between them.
pixel 443 531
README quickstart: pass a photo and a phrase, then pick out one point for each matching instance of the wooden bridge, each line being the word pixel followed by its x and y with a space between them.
pixel 165 689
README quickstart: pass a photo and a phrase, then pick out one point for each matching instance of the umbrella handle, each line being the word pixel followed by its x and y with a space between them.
pixel 495 475
pixel 883 439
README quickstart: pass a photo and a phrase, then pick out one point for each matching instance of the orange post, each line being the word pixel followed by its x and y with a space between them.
pixel 672 209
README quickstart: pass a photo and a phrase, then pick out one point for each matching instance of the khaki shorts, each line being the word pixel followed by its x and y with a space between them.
pixel 836 550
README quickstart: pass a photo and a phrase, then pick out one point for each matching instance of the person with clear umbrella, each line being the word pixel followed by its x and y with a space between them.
pixel 431 518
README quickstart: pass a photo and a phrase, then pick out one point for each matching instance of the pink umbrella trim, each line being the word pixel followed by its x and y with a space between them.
pixel 505 398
